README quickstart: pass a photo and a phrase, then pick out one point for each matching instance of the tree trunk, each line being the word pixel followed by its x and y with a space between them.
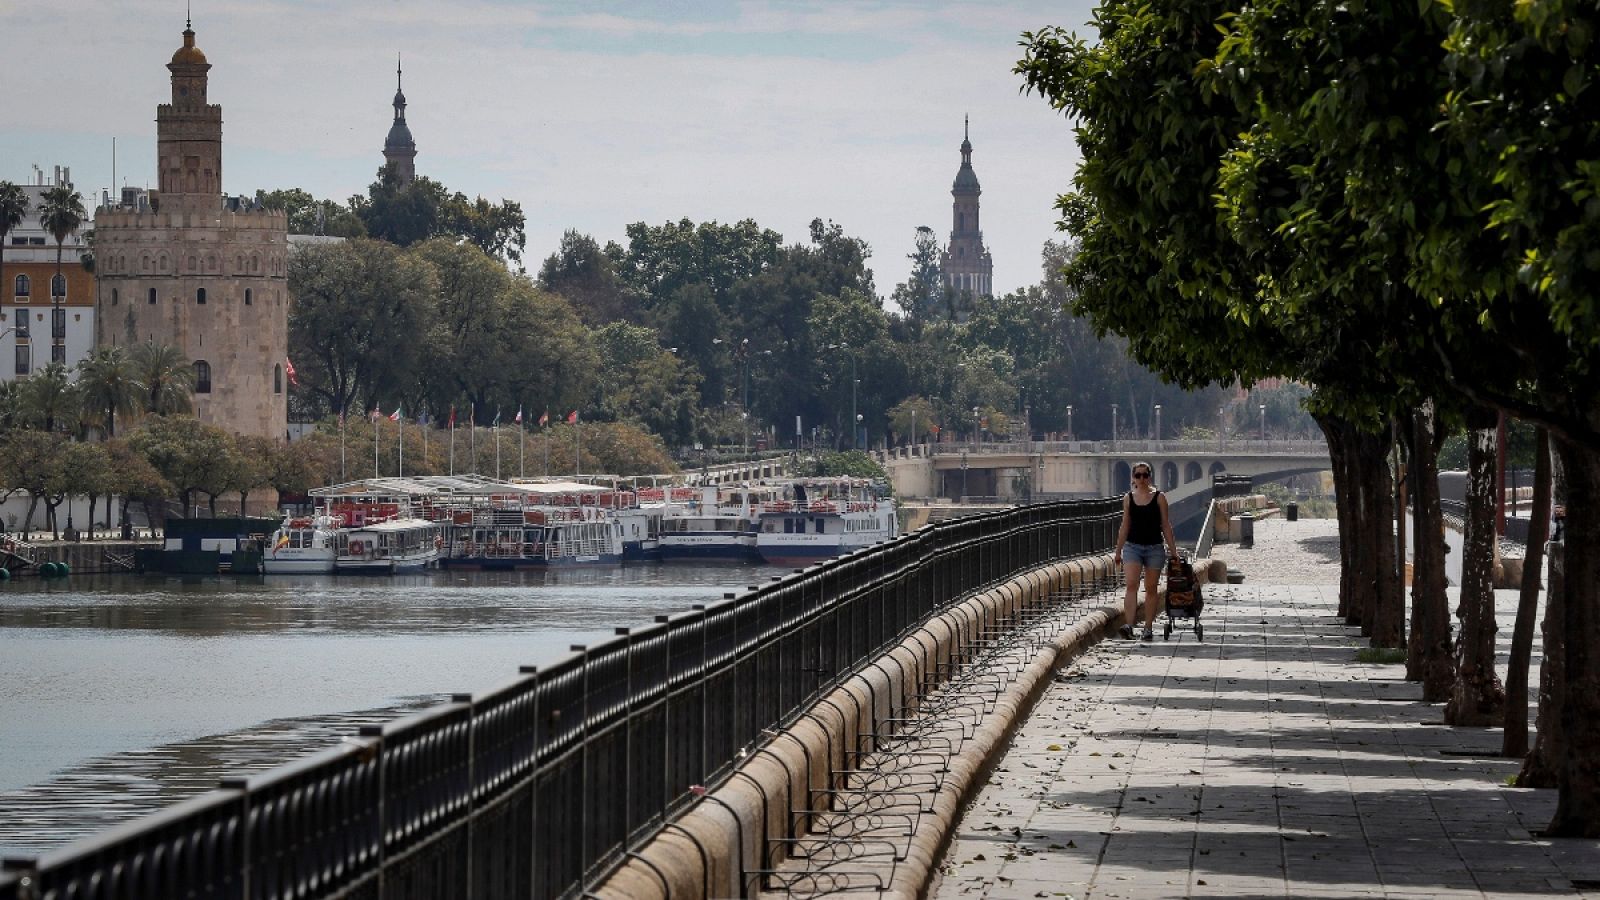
pixel 1515 741
pixel 94 502
pixel 27 523
pixel 1343 488
pixel 1477 697
pixel 1428 657
pixel 1578 800
pixel 1389 603
pixel 1364 585
pixel 1542 767
pixel 184 497
pixel 211 504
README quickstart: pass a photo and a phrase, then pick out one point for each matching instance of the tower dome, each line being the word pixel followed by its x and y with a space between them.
pixel 188 54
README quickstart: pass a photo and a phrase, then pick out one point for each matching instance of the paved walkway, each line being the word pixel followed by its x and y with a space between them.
pixel 1263 762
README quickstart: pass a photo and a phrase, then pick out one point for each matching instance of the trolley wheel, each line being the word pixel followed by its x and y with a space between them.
pixel 1166 633
pixel 1199 632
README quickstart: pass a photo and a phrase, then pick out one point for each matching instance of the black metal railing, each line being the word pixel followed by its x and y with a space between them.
pixel 541 785
pixel 1231 486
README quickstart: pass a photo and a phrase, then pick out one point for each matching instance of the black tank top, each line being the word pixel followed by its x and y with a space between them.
pixel 1144 522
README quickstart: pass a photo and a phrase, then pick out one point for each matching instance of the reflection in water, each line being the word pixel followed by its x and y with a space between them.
pixel 119 695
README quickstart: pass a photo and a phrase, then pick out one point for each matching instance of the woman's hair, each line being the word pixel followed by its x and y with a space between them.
pixel 1147 467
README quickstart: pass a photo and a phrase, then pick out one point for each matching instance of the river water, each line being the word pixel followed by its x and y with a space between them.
pixel 122 694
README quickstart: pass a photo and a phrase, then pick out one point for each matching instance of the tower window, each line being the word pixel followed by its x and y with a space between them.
pixel 113 296
pixel 202 377
pixel 24 286
pixel 152 296
pixel 247 296
pixel 277 379
pixel 24 359
pixel 200 296
pixel 58 285
pixel 22 325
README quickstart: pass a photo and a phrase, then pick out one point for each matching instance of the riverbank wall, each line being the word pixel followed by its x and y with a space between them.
pixel 722 844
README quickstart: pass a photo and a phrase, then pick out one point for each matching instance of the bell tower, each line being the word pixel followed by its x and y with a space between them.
pixel 967 265
pixel 189 130
pixel 399 150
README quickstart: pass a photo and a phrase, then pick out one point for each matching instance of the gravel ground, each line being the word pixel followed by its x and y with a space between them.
pixel 1303 552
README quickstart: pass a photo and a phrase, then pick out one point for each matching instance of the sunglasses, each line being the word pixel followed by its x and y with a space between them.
pixel 1141 474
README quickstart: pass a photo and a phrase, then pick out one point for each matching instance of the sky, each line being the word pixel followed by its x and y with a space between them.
pixel 592 116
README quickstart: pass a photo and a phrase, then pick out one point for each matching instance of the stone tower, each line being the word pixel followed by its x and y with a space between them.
pixel 968 268
pixel 399 150
pixel 198 270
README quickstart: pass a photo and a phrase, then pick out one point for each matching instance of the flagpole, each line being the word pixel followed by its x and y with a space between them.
pixel 401 423
pixel 546 429
pixel 522 443
pixel 424 438
pixel 342 475
pixel 495 431
pixel 375 433
pixel 577 436
pixel 452 440
pixel 472 436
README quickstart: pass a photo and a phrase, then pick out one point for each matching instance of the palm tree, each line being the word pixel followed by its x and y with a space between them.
pixel 60 213
pixel 108 382
pixel 13 206
pixel 49 398
pixel 165 378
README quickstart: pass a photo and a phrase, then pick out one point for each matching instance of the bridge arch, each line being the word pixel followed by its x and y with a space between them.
pixel 1169 476
pixel 1121 476
pixel 1219 468
pixel 1191 472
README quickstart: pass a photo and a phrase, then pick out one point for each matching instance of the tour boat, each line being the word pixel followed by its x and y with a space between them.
pixel 820 518
pixel 532 538
pixel 303 545
pixel 712 525
pixel 402 544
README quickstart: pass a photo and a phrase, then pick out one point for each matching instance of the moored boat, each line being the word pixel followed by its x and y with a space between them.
pixel 712 525
pixel 820 518
pixel 402 544
pixel 302 545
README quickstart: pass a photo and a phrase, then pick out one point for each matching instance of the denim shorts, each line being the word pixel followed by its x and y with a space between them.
pixel 1151 556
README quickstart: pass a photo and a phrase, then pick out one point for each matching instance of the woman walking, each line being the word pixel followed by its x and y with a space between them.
pixel 1142 547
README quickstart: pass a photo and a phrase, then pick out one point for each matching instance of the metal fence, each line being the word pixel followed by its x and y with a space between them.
pixel 1231 486
pixel 542 785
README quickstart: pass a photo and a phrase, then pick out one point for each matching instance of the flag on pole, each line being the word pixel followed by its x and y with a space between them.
pixel 376 412
pixel 395 416
pixel 288 369
pixel 496 422
pixel 518 419
pixel 452 417
pixel 572 417
pixel 544 418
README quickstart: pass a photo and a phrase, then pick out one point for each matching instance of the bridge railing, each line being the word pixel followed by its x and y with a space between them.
pixel 1130 448
pixel 539 786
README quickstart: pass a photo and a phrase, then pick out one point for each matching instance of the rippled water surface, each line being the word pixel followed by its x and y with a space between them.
pixel 121 694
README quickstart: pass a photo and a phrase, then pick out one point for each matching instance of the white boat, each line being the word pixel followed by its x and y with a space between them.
pixel 713 525
pixel 303 545
pixel 820 518
pixel 403 544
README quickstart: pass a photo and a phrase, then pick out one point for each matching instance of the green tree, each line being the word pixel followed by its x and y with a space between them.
pixel 921 297
pixel 585 276
pixel 134 479
pixel 406 214
pixel 61 213
pixel 84 470
pixel 308 215
pixel 109 385
pixel 34 463
pixel 253 463
pixel 190 455
pixel 642 382
pixel 13 209
pixel 164 378
pixel 359 321
pixel 50 400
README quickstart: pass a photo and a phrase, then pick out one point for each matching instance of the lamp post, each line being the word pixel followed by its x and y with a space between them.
pixel 1113 423
pixel 1069 422
pixel 977 428
pixel 1158 423
pixel 1222 428
pixel 1263 421
pixel 855 417
pixel 963 476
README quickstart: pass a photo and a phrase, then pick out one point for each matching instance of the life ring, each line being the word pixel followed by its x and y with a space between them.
pixel 438 543
pixel 357 548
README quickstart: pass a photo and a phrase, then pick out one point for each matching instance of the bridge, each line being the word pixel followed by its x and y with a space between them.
pixel 1058 470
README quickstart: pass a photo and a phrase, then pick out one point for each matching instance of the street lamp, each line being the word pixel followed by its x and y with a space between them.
pixel 1263 421
pixel 855 382
pixel 1069 422
pixel 1158 422
pixel 1113 423
pixel 977 428
pixel 1222 427
pixel 963 476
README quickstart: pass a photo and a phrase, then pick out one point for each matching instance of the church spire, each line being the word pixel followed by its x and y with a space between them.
pixel 399 150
